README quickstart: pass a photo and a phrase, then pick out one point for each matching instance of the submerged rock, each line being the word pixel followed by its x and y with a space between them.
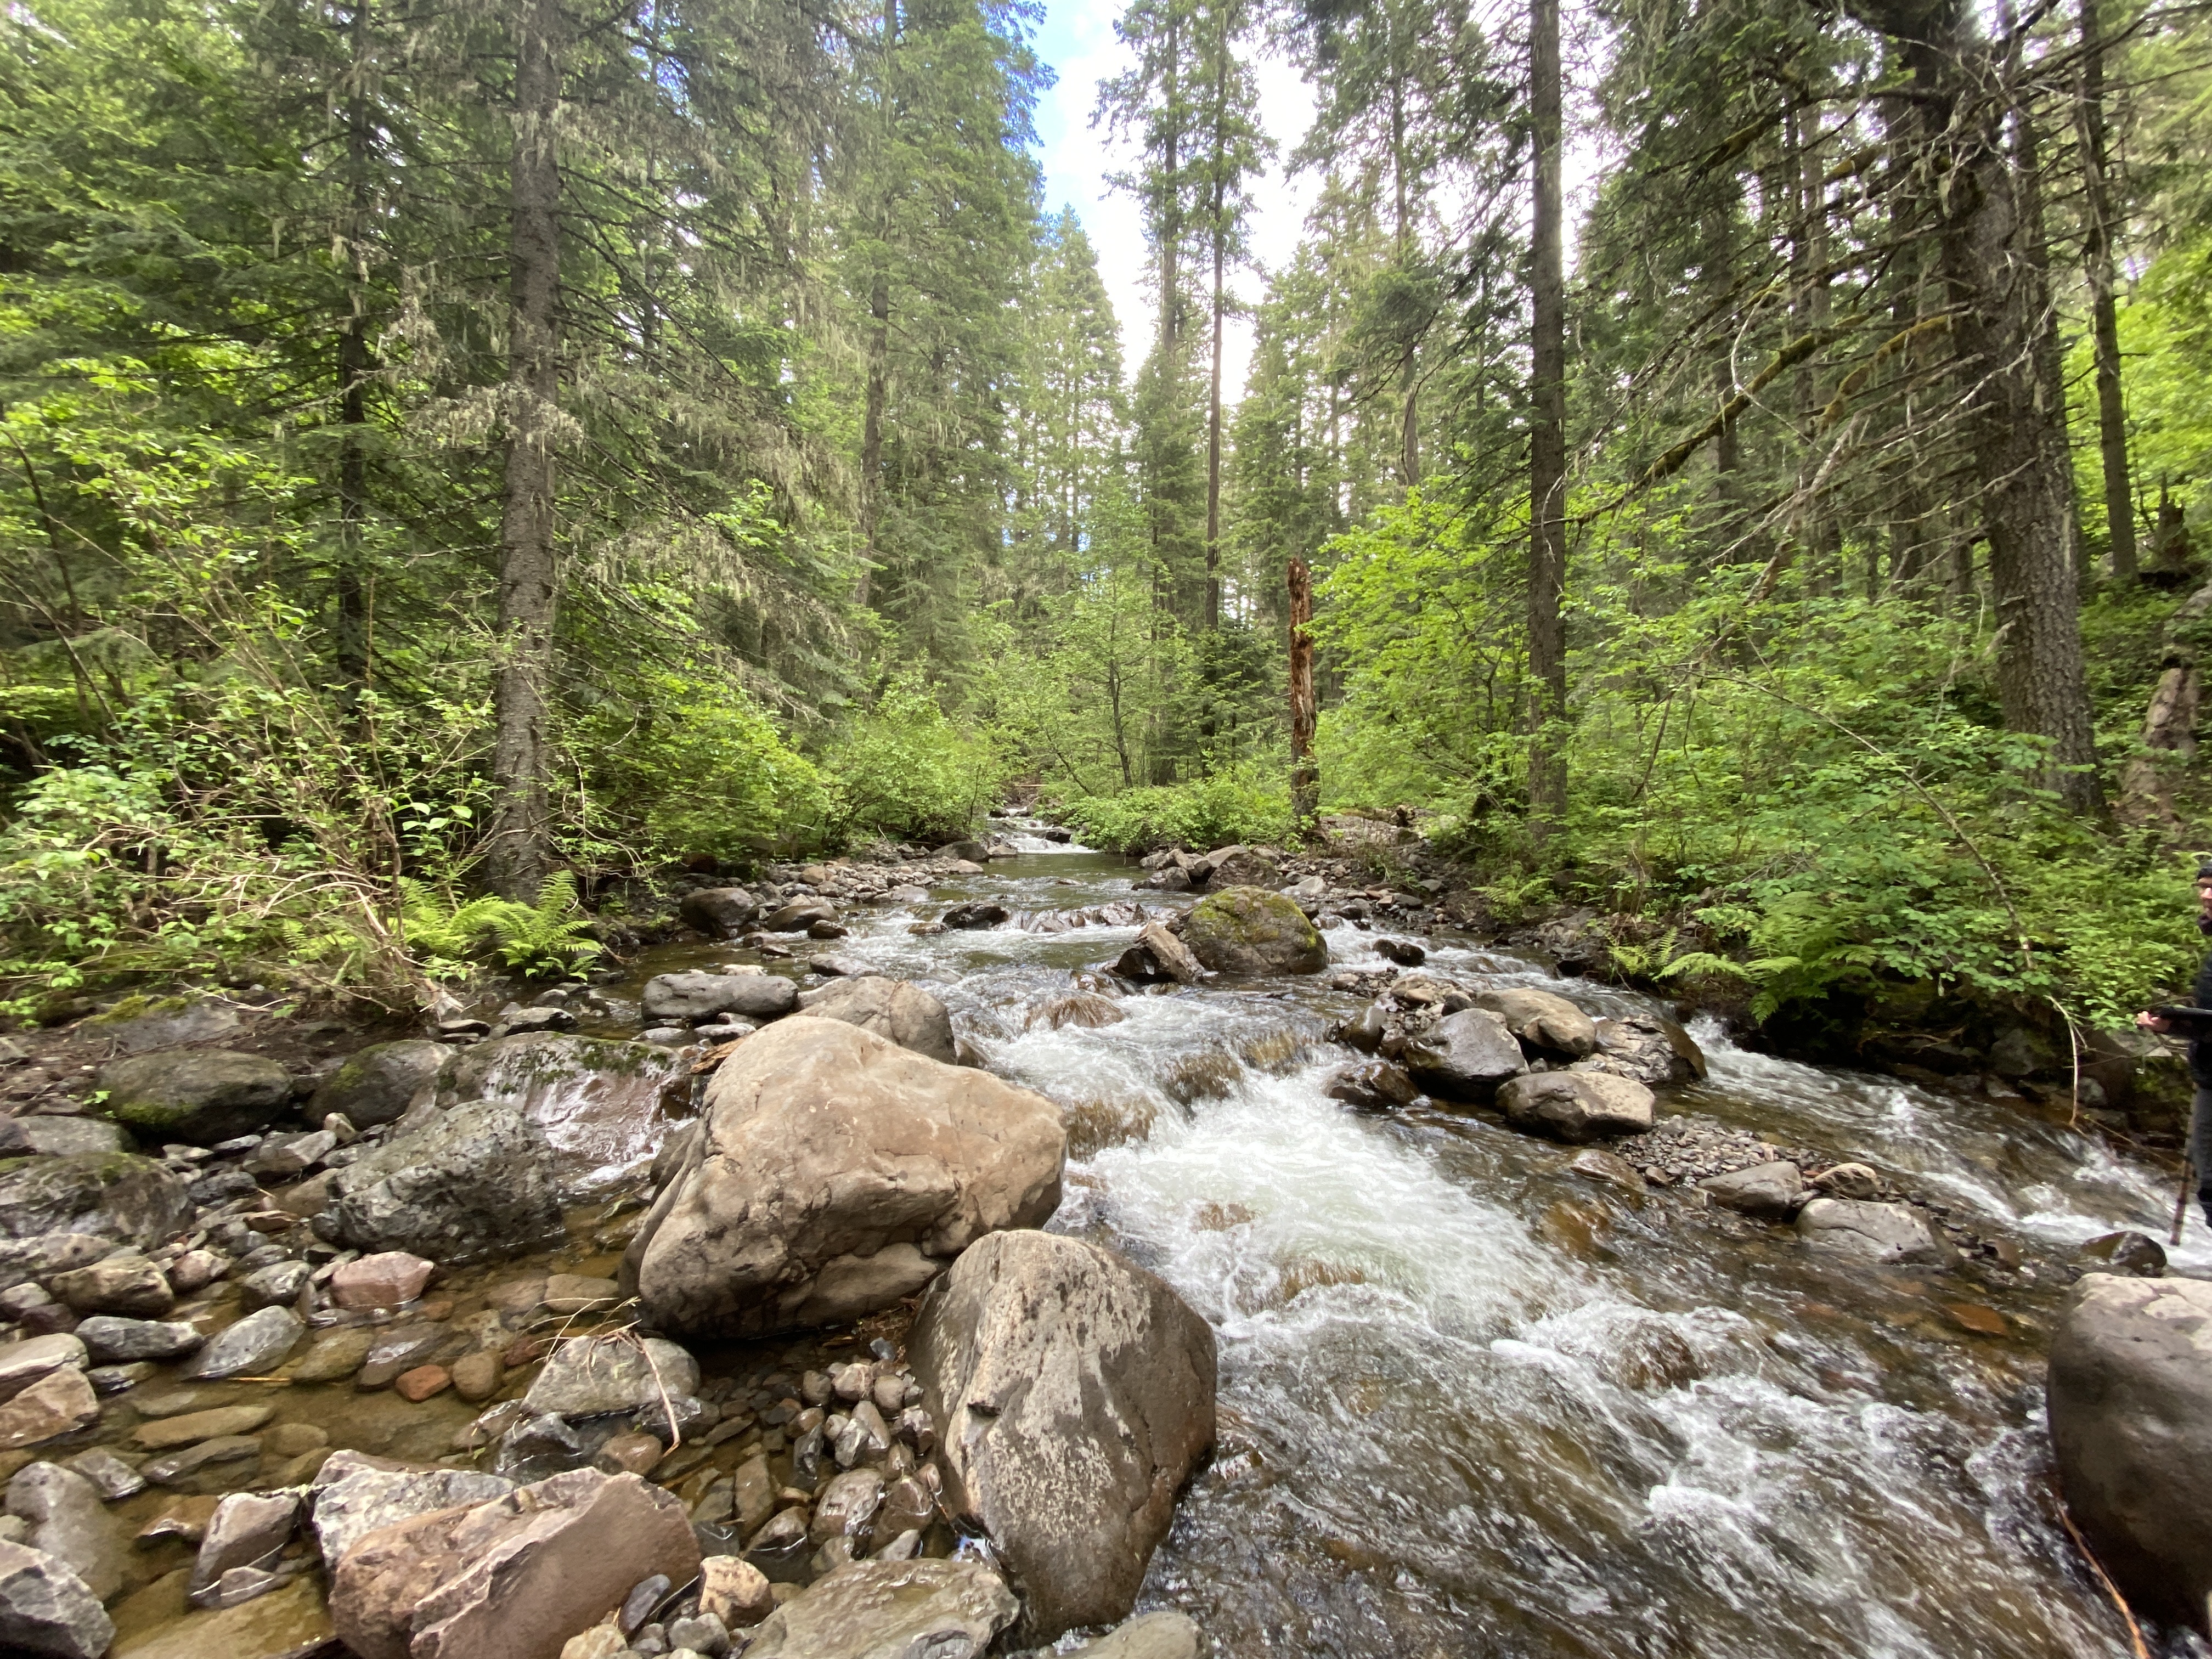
pixel 837 1173
pixel 890 1610
pixel 477 1181
pixel 587 1376
pixel 197 1095
pixel 602 1105
pixel 1075 1393
pixel 1252 932
pixel 1167 1635
pixel 2130 1411
pixel 893 1009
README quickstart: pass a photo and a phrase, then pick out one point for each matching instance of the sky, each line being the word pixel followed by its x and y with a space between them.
pixel 1077 39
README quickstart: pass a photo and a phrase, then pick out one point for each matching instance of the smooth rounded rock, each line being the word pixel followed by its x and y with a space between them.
pixel 1576 1106
pixel 1866 1231
pixel 254 1346
pixel 378 1084
pixel 1465 1055
pixel 890 1610
pixel 1772 1192
pixel 478 1181
pixel 1542 1020
pixel 891 1008
pixel 688 998
pixel 1251 932
pixel 199 1095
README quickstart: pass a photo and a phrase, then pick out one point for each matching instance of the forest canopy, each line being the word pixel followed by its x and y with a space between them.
pixel 1733 466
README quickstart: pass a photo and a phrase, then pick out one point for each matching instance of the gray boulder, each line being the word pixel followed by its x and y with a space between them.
pixel 1655 1052
pixel 22 1364
pixel 891 1008
pixel 1542 1020
pixel 719 912
pixel 111 1341
pixel 126 1283
pixel 1464 1056
pixel 1772 1192
pixel 686 998
pixel 1166 1635
pixel 200 1096
pixel 254 1346
pixel 1235 866
pixel 2129 1398
pixel 835 1174
pixel 918 1609
pixel 61 1137
pixel 589 1377
pixel 1576 1107
pixel 1250 931
pixel 68 1520
pixel 378 1084
pixel 1157 954
pixel 1074 1393
pixel 355 1495
pixel 603 1105
pixel 47 1610
pixel 111 1195
pixel 478 1181
pixel 1867 1232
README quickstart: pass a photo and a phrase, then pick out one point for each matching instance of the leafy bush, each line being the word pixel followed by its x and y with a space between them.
pixel 1249 803
pixel 904 769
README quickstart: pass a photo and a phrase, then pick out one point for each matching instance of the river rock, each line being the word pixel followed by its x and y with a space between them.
pixel 1074 1393
pixel 1235 866
pixel 56 1404
pixel 688 998
pixel 891 1008
pixel 22 1364
pixel 2122 1253
pixel 602 1104
pixel 719 912
pixel 588 1375
pixel 519 1575
pixel 111 1341
pixel 1542 1020
pixel 356 1495
pixel 383 1281
pixel 478 1181
pixel 61 1137
pixel 125 1284
pixel 68 1520
pixel 835 1174
pixel 1157 954
pixel 1250 931
pixel 378 1084
pixel 288 1622
pixel 1770 1191
pixel 1575 1107
pixel 113 1195
pixel 1374 1085
pixel 1464 1055
pixel 734 1591
pixel 1869 1232
pixel 1167 1635
pixel 2129 1398
pixel 47 1610
pixel 977 913
pixel 919 1609
pixel 254 1346
pixel 1086 1009
pixel 199 1095
pixel 1655 1052
pixel 246 1527
pixel 1854 1181
pixel 187 1427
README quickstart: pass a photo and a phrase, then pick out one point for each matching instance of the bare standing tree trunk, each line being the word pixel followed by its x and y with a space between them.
pixel 1548 435
pixel 1220 313
pixel 522 850
pixel 1305 779
pixel 2103 309
pixel 353 370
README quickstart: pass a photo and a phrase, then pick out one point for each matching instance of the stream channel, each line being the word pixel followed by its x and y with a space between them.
pixel 1473 1403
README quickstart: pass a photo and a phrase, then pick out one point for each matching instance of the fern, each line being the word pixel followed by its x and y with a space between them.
pixel 539 940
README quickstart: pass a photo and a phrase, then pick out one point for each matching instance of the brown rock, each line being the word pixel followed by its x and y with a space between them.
pixel 339 1354
pixel 184 1517
pixel 58 1402
pixel 634 1453
pixel 837 1174
pixel 517 1296
pixel 421 1383
pixel 518 1575
pixel 164 1433
pixel 127 1284
pixel 383 1281
pixel 477 1376
pixel 734 1590
pixel 574 1293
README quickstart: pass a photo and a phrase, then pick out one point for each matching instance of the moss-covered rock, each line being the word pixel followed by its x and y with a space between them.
pixel 1250 931
pixel 201 1096
pixel 378 1084
pixel 117 1195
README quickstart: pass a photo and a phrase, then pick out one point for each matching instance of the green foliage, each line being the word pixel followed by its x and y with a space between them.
pixel 544 940
pixel 1250 803
pixel 906 769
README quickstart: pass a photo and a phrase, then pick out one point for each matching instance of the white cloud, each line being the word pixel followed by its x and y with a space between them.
pixel 1077 38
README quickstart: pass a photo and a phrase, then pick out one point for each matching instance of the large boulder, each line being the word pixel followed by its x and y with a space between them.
pixel 2129 1398
pixel 1653 1051
pixel 478 1181
pixel 1250 931
pixel 837 1173
pixel 117 1195
pixel 1577 1106
pixel 1772 1192
pixel 1074 1393
pixel 1867 1232
pixel 519 1574
pixel 604 1106
pixel 891 1008
pixel 1157 954
pixel 1235 866
pixel 918 1609
pixel 690 997
pixel 356 1495
pixel 719 912
pixel 378 1084
pixel 61 1137
pixel 45 1609
pixel 201 1096
pixel 1464 1055
pixel 1542 1020
pixel 68 1518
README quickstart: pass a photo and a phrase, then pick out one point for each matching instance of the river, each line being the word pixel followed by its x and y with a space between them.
pixel 1473 1403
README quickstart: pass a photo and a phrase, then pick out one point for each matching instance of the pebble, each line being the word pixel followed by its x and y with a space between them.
pixel 421 1383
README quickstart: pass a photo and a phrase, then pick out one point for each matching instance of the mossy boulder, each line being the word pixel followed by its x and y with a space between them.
pixel 118 1195
pixel 198 1096
pixel 1250 931
pixel 377 1084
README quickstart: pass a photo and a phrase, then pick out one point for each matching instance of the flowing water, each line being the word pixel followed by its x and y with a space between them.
pixel 1472 1403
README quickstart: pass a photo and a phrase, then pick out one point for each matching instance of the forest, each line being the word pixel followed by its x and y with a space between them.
pixel 1731 464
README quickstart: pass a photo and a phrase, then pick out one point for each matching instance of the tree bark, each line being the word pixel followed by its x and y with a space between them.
pixel 1548 436
pixel 1305 779
pixel 2103 309
pixel 353 370
pixel 1409 428
pixel 521 853
pixel 1220 231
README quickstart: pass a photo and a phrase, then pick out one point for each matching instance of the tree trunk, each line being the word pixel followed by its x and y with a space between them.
pixel 521 853
pixel 1409 428
pixel 353 370
pixel 1548 436
pixel 2104 309
pixel 1213 440
pixel 872 431
pixel 1306 780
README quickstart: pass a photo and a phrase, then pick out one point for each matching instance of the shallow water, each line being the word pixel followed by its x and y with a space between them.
pixel 1472 1403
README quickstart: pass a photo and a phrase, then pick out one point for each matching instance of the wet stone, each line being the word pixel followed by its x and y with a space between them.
pixel 398 1352
pixel 254 1346
pixel 164 1432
